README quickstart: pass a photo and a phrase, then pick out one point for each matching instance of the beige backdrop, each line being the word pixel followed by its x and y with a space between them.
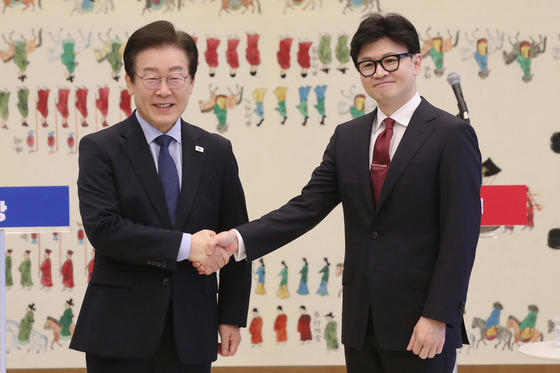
pixel 514 120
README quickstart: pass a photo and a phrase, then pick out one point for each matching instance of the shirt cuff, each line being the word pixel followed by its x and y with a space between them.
pixel 241 254
pixel 185 248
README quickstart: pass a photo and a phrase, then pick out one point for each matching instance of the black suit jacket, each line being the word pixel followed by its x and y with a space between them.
pixel 136 270
pixel 412 254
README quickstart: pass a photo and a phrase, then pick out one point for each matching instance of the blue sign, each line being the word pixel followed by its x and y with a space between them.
pixel 34 207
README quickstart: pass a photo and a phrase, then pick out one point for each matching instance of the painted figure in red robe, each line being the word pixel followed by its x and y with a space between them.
pixel 280 326
pixel 255 329
pixel 304 326
pixel 67 272
pixel 46 273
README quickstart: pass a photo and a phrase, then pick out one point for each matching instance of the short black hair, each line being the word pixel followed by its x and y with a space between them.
pixel 159 34
pixel 376 26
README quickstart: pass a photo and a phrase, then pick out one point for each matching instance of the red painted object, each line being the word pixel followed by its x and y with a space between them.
pixel 504 204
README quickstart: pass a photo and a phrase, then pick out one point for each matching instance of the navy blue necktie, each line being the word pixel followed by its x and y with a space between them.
pixel 167 171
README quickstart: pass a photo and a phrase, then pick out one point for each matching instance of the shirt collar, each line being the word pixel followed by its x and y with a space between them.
pixel 402 115
pixel 151 133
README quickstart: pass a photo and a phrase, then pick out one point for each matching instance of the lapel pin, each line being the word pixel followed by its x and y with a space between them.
pixel 199 149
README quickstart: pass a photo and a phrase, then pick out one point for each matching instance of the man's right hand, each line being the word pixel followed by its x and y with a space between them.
pixel 210 260
pixel 225 243
pixel 226 240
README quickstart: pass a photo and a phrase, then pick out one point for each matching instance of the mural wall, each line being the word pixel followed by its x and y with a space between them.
pixel 275 78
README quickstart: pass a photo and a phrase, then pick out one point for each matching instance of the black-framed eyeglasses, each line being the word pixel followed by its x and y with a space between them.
pixel 153 80
pixel 389 63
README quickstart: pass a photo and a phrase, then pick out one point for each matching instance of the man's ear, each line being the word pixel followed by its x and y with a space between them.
pixel 129 84
pixel 417 62
pixel 191 85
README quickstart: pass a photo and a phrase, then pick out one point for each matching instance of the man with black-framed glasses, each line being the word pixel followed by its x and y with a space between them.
pixel 389 63
pixel 408 176
pixel 153 189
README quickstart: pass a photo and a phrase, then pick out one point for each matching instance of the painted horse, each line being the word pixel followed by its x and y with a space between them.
pixel 503 335
pixel 527 335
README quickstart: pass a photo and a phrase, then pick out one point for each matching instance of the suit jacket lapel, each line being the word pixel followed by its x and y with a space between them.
pixel 361 141
pixel 138 153
pixel 417 132
pixel 194 156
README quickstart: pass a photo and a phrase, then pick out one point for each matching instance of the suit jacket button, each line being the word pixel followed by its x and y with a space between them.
pixel 163 265
pixel 165 281
pixel 374 235
pixel 149 262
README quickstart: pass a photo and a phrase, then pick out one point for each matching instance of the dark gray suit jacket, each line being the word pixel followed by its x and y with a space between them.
pixel 136 270
pixel 412 254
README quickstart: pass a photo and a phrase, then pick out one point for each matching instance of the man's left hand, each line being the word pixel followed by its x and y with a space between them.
pixel 230 338
pixel 427 338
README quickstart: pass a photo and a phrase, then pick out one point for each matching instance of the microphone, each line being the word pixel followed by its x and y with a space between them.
pixel 455 80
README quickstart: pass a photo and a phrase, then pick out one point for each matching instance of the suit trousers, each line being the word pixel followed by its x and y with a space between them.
pixel 373 360
pixel 166 359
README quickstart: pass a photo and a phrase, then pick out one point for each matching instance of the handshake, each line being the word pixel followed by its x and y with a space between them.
pixel 211 251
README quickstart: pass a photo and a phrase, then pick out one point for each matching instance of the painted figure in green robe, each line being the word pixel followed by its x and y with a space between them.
pixel 524 58
pixel 23 95
pixel 302 107
pixel 112 51
pixel 4 109
pixel 25 270
pixel 330 333
pixel 114 57
pixel 436 53
pixel 303 289
pixel 529 322
pixel 324 52
pixel 8 266
pixel 320 106
pixel 26 325
pixel 66 321
pixel 68 58
pixel 280 93
pixel 20 58
pixel 342 52
pixel 324 279
pixel 359 106
pixel 283 287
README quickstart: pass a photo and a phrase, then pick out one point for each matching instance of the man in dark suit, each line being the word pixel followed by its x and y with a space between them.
pixel 410 239
pixel 146 308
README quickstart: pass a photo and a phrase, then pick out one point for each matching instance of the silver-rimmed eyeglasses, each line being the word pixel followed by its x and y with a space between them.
pixel 153 80
pixel 389 63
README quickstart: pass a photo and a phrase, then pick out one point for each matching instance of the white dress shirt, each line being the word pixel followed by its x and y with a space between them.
pixel 402 117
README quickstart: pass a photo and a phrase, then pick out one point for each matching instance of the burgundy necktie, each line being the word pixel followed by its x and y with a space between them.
pixel 381 158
